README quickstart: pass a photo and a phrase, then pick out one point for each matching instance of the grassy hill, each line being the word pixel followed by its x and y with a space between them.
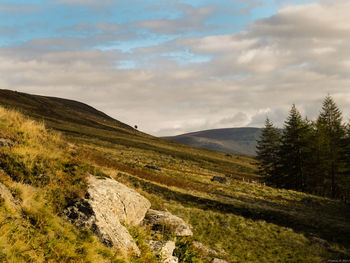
pixel 243 220
pixel 231 140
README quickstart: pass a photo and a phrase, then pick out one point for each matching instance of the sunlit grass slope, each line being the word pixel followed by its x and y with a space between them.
pixel 244 220
pixel 43 174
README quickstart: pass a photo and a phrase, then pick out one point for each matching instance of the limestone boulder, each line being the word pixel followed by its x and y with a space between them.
pixel 103 224
pixel 157 218
pixel 127 204
pixel 106 205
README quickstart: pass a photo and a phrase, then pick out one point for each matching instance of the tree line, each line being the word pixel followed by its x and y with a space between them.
pixel 308 156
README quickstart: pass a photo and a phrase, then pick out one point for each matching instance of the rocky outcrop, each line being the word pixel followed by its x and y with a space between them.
pixel 105 226
pixel 164 250
pixel 127 204
pixel 157 219
pixel 107 204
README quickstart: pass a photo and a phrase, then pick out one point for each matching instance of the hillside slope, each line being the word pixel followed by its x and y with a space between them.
pixel 230 140
pixel 243 220
pixel 56 111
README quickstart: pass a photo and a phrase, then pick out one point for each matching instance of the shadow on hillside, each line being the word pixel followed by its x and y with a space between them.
pixel 335 232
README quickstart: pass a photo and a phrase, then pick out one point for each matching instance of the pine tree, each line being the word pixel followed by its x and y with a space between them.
pixel 313 169
pixel 267 151
pixel 294 151
pixel 331 132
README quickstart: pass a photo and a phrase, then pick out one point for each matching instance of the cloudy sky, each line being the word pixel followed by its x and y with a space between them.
pixel 175 66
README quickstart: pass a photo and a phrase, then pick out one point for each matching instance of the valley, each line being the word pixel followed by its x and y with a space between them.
pixel 242 220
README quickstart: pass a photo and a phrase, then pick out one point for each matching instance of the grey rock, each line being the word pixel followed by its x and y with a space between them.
pixel 107 204
pixel 204 249
pixel 218 260
pixel 219 179
pixel 164 250
pixel 167 253
pixel 127 204
pixel 158 218
pixel 6 142
pixel 155 245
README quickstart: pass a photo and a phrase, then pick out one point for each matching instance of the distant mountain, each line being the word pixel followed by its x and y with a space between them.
pixel 231 140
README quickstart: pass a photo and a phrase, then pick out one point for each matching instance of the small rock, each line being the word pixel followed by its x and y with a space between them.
pixel 153 167
pixel 159 218
pixel 163 250
pixel 155 245
pixel 167 253
pixel 6 142
pixel 218 260
pixel 204 249
pixel 219 179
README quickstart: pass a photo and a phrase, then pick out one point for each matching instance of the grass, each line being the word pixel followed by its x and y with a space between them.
pixel 35 233
pixel 277 218
pixel 44 177
pixel 248 240
pixel 243 221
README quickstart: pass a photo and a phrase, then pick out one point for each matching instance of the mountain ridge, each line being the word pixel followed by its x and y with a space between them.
pixel 240 140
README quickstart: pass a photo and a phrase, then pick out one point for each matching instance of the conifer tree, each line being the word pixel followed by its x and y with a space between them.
pixel 267 151
pixel 331 132
pixel 294 151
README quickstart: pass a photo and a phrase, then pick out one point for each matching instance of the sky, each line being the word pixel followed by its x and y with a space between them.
pixel 176 66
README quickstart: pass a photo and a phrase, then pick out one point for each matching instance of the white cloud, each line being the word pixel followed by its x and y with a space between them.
pixel 296 56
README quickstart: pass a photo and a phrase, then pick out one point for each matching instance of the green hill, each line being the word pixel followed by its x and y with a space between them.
pixel 231 140
pixel 243 220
